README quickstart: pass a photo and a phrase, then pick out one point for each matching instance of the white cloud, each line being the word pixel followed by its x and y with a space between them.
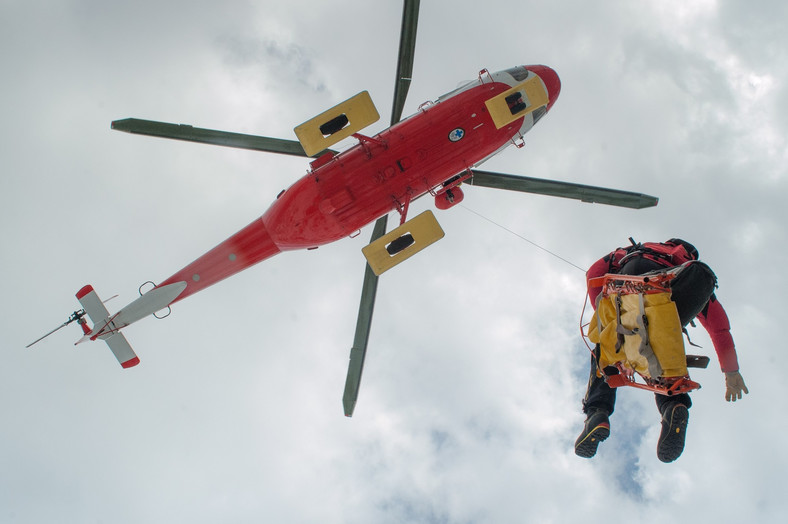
pixel 470 401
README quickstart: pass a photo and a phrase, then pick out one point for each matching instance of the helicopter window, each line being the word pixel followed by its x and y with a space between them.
pixel 334 125
pixel 515 102
pixel 518 73
pixel 538 113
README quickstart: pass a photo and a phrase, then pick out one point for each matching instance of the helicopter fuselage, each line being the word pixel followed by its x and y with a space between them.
pixel 341 193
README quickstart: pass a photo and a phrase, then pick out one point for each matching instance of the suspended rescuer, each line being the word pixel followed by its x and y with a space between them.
pixel 692 290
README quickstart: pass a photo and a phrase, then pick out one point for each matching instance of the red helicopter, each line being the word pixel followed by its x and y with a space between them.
pixel 431 152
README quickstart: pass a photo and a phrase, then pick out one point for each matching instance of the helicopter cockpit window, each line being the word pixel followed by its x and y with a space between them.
pixel 515 102
pixel 538 113
pixel 518 73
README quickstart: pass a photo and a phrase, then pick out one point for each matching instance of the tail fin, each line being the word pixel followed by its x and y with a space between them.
pixel 98 313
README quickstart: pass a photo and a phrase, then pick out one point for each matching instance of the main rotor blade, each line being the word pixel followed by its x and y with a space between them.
pixel 209 136
pixel 407 48
pixel 601 195
pixel 359 350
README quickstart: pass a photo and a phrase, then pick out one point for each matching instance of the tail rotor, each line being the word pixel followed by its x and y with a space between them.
pixel 105 327
pixel 76 316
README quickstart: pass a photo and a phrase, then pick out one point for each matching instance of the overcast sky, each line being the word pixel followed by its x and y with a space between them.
pixel 471 397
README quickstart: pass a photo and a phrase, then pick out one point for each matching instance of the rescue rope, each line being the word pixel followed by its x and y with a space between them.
pixel 523 238
pixel 585 301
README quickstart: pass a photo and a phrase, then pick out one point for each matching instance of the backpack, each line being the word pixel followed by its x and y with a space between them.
pixel 670 253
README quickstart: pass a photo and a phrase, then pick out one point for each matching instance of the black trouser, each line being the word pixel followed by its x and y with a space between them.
pixel 691 291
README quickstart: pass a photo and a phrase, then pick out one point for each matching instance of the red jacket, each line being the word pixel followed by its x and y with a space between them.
pixel 713 318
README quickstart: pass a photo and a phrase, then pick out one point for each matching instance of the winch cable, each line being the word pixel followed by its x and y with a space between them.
pixel 522 238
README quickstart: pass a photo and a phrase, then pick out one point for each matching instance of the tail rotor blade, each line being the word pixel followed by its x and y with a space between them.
pixel 76 315
pixel 61 326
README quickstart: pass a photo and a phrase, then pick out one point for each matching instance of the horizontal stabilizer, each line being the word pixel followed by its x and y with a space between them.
pixel 122 350
pixel 98 313
pixel 92 304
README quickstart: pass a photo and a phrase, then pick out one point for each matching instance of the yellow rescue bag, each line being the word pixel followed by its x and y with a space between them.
pixel 642 331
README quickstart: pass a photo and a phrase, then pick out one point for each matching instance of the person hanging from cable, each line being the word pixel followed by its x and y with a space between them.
pixel 692 291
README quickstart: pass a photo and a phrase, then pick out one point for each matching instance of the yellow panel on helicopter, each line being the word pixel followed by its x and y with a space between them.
pixel 403 242
pixel 338 123
pixel 517 102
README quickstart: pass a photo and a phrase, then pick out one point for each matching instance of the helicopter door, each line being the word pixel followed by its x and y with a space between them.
pixel 338 123
pixel 517 102
pixel 403 242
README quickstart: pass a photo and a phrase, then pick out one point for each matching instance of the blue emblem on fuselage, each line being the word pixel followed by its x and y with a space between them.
pixel 457 134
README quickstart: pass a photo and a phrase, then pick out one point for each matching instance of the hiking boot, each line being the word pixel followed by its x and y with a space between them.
pixel 674 430
pixel 597 429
